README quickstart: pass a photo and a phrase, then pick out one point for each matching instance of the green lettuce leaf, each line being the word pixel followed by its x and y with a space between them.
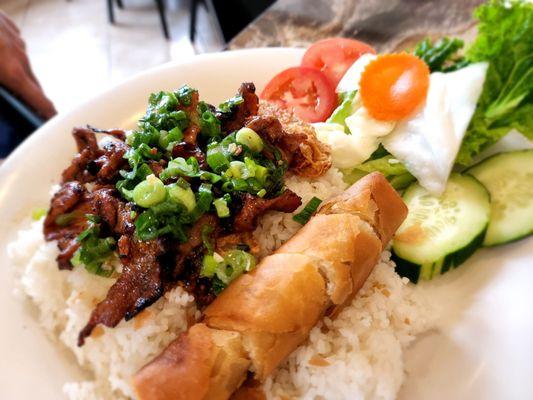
pixel 346 108
pixel 505 40
pixel 392 169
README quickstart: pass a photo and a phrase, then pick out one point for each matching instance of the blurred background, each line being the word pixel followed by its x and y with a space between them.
pixel 78 48
pixel 55 54
pixel 76 51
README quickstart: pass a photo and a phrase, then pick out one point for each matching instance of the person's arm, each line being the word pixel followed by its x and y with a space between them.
pixel 15 71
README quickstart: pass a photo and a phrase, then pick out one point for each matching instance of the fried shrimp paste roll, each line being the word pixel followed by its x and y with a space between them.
pixel 264 315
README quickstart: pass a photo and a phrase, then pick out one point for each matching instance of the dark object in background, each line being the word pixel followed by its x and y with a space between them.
pixel 17 122
pixel 232 15
pixel 160 9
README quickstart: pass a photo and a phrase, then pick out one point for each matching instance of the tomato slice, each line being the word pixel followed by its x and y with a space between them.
pixel 394 85
pixel 334 56
pixel 305 90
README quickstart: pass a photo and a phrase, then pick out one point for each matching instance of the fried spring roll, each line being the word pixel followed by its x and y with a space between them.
pixel 266 314
pixel 202 355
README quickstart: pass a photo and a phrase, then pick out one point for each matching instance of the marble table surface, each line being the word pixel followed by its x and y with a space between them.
pixel 386 24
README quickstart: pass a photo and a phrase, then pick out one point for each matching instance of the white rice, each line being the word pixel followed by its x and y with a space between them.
pixel 65 300
pixel 275 227
pixel 361 351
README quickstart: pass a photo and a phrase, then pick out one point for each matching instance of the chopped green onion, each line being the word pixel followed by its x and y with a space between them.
pixel 237 169
pixel 250 139
pixel 161 114
pixel 168 139
pixel 209 266
pixel 228 105
pixel 240 258
pixel 218 257
pixel 235 185
pixel 207 240
pixel 184 95
pixel 93 250
pixel 261 173
pixel 164 100
pixel 239 184
pixel 38 213
pixel 261 193
pixel 217 160
pixel 149 136
pixel 204 197
pixel 76 259
pixel 146 226
pixel 181 167
pixel 93 218
pixel 182 195
pixel 235 263
pixel 149 192
pixel 251 166
pixel 227 273
pixel 139 169
pixel 164 218
pixel 221 206
pixel 209 176
pixel 175 134
pixel 209 124
pixel 182 183
pixel 148 152
pixel 130 136
pixel 66 219
pixel 254 185
pixel 217 286
pixel 303 216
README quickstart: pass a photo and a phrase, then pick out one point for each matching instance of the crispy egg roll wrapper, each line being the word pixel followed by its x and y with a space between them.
pixel 273 298
pixel 273 307
pixel 213 362
pixel 348 247
pixel 374 200
pixel 264 315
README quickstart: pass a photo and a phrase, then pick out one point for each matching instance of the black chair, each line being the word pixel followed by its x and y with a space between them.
pixel 229 16
pixel 160 8
pixel 17 121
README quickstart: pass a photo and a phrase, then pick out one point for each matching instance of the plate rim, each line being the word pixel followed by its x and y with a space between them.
pixel 10 161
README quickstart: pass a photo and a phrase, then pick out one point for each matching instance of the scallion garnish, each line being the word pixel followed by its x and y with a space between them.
pixel 93 250
pixel 228 105
pixel 303 216
pixel 209 124
pixel 38 213
pixel 221 206
pixel 171 201
pixel 228 268
pixel 66 219
pixel 217 286
pixel 207 240
pixel 217 160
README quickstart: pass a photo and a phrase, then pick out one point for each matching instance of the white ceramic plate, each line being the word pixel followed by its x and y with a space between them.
pixel 484 349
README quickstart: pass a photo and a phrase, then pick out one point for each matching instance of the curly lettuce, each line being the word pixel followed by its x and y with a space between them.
pixel 505 40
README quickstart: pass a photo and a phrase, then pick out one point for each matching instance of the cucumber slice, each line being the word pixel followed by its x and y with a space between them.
pixel 509 179
pixel 440 233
